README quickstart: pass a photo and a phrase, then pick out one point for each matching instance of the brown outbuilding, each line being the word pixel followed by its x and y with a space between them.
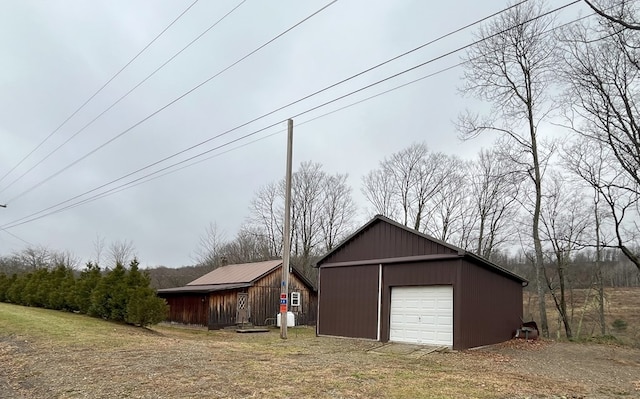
pixel 388 282
pixel 241 293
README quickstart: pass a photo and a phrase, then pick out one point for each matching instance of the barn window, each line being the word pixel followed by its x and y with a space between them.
pixel 295 299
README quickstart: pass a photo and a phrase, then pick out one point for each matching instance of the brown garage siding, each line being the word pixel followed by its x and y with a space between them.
pixel 384 240
pixel 442 272
pixel 348 301
pixel 492 306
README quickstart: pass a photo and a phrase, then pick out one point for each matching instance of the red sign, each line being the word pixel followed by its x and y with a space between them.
pixel 283 296
pixel 283 308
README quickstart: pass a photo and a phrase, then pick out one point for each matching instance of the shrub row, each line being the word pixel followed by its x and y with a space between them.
pixel 119 294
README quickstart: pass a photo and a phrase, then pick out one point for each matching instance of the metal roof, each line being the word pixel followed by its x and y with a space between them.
pixel 240 273
pixel 202 289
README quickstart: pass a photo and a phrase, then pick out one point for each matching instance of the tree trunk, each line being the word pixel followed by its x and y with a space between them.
pixel 563 301
pixel 539 260
pixel 599 276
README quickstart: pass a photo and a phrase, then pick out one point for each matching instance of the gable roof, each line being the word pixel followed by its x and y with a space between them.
pixel 234 276
pixel 238 273
pixel 451 250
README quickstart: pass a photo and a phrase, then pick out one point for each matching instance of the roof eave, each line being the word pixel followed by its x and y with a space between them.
pixel 496 267
pixel 461 252
pixel 394 223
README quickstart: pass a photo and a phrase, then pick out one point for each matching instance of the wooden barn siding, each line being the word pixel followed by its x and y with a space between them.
pixel 384 240
pixel 187 309
pixel 264 299
pixel 440 272
pixel 222 308
pixel 492 306
pixel 349 301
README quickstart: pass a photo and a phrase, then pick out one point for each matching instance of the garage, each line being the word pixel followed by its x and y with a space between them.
pixel 388 282
pixel 422 315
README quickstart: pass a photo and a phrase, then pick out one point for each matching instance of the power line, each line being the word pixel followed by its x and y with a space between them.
pixel 140 180
pixel 16 237
pixel 96 93
pixel 137 182
pixel 172 102
pixel 273 111
pixel 125 95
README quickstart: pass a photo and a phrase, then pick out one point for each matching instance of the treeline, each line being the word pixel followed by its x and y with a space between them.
pixel 581 271
pixel 120 294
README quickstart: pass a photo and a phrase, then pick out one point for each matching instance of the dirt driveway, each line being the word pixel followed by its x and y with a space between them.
pixel 124 362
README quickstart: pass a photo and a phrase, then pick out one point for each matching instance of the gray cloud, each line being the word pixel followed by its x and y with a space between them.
pixel 55 54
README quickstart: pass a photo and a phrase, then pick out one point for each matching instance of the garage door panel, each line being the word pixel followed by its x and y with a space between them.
pixel 422 315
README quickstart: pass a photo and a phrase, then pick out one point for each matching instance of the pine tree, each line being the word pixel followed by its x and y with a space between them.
pixel 86 283
pixel 109 298
pixel 143 306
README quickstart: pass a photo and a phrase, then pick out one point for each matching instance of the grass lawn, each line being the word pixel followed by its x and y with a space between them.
pixel 45 354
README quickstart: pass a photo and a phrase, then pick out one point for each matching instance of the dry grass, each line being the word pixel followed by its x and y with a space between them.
pixel 620 304
pixel 61 355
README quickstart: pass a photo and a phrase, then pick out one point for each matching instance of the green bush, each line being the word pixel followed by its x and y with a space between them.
pixel 619 325
pixel 119 295
pixel 145 308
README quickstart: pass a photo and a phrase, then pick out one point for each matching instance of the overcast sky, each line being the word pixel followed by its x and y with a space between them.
pixel 55 54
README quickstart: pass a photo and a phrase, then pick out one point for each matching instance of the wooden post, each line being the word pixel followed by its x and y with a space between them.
pixel 287 235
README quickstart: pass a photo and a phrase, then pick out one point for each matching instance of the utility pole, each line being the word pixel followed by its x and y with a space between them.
pixel 284 294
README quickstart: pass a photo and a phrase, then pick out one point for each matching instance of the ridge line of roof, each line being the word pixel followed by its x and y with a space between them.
pixel 460 251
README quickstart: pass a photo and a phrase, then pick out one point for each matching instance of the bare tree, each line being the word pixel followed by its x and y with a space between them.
pixel 338 208
pixel 512 67
pixel 433 172
pixel 266 213
pixel 448 217
pixel 404 167
pixel 322 212
pixel 98 247
pixel 495 198
pixel 249 245
pixel 587 159
pixel 619 12
pixel 601 70
pixel 210 246
pixel 65 258
pixel 307 203
pixel 121 252
pixel 565 219
pixel 406 183
pixel 377 188
pixel 33 258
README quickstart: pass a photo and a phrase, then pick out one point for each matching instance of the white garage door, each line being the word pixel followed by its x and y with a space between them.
pixel 422 315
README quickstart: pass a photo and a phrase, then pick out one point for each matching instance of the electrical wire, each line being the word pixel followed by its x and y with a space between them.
pixel 16 237
pixel 264 115
pixel 268 113
pixel 96 93
pixel 125 95
pixel 121 187
pixel 171 102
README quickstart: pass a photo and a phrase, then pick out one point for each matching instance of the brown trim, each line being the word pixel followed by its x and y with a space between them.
pixel 461 252
pixel 202 289
pixel 343 337
pixel 403 259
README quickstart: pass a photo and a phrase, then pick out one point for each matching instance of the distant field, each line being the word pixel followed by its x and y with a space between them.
pixel 48 354
pixel 621 304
